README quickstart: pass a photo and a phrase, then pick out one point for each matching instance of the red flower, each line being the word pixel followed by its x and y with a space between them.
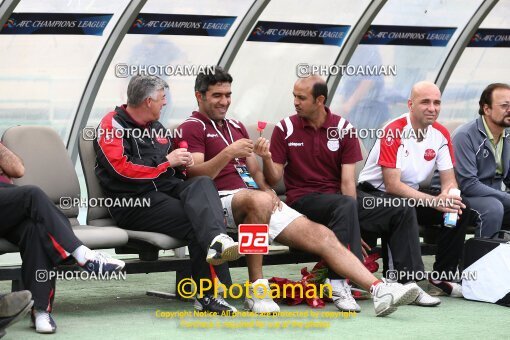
pixel 261 126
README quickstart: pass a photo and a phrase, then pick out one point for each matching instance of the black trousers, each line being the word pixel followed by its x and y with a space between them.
pixel 191 211
pixel 450 242
pixel 337 212
pixel 29 219
pixel 347 218
pixel 397 228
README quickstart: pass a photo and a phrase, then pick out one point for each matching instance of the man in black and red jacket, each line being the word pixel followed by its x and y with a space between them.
pixel 29 219
pixel 135 159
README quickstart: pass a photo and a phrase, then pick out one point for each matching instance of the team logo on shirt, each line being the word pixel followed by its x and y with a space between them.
pixel 389 141
pixel 162 140
pixel 108 138
pixel 429 154
pixel 333 145
pixel 485 153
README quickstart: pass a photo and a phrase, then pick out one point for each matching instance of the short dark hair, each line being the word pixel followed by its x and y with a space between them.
pixel 320 89
pixel 486 97
pixel 206 78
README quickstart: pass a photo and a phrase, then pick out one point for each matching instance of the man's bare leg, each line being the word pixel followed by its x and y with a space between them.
pixel 317 239
pixel 254 207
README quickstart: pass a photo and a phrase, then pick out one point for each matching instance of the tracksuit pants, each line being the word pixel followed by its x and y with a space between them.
pixel 450 243
pixel 191 210
pixel 494 214
pixel 43 233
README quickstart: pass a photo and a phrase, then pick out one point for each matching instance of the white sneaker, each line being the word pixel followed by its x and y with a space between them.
pixel 43 322
pixel 102 264
pixel 222 249
pixel 257 304
pixel 342 296
pixel 388 296
pixel 424 299
pixel 445 288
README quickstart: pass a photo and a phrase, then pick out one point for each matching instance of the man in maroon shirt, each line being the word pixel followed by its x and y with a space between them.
pixel 220 147
pixel 319 150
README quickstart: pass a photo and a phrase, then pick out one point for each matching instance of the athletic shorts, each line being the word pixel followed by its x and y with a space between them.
pixel 279 219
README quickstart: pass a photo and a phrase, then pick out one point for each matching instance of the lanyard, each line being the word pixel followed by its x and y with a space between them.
pixel 222 137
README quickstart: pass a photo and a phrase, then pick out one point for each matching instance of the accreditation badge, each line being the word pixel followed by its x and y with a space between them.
pixel 242 170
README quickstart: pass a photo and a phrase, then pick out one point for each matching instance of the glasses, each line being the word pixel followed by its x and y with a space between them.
pixel 504 106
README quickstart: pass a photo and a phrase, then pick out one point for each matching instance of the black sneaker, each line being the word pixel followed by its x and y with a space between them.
pixel 453 289
pixel 223 248
pixel 102 263
pixel 212 304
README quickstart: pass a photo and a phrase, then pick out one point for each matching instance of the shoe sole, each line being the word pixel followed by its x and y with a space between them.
pixel 229 254
pixel 348 310
pixel 387 311
pixel 20 315
pixel 53 331
pixel 406 299
pixel 426 305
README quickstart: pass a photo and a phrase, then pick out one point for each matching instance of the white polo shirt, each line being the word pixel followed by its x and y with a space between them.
pixel 400 149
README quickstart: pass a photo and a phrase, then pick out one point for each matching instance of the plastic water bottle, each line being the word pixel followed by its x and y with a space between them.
pixel 450 219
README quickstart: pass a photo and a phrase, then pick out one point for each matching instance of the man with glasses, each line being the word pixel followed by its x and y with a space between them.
pixel 482 151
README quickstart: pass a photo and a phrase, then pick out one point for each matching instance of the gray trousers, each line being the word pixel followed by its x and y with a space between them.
pixel 494 214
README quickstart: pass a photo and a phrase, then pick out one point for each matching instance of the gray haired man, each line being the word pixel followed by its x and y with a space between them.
pixel 136 159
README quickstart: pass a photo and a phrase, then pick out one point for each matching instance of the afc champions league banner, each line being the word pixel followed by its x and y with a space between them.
pixel 407 35
pixel 56 23
pixel 182 24
pixel 490 37
pixel 299 33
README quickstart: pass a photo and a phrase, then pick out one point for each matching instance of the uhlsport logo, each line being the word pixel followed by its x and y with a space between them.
pixel 253 238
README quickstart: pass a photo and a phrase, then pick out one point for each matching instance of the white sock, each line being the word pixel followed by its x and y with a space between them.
pixel 338 284
pixel 217 237
pixel 82 254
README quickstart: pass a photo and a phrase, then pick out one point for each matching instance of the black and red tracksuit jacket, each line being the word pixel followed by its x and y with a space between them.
pixel 131 159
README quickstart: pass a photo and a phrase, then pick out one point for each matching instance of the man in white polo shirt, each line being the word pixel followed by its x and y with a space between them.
pixel 412 145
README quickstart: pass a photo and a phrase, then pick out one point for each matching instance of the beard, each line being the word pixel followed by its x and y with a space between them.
pixel 504 123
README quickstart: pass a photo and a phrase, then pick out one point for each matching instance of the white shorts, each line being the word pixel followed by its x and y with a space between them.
pixel 279 219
